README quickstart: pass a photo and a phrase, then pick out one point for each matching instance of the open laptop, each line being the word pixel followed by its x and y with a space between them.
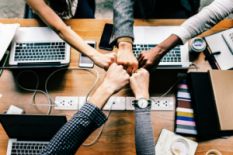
pixel 147 37
pixel 29 134
pixel 38 47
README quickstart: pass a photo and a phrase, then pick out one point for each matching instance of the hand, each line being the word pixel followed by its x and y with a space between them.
pixel 126 57
pixel 104 60
pixel 139 83
pixel 150 58
pixel 115 79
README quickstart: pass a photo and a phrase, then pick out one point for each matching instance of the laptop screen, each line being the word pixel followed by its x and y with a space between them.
pixel 32 127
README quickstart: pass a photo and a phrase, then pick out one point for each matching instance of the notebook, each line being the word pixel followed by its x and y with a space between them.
pixel 38 47
pixel 7 32
pixel 185 124
pixel 205 111
pixel 220 49
pixel 222 86
pixel 29 134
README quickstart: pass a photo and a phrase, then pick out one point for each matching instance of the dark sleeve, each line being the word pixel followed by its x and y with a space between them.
pixel 69 138
pixel 123 19
pixel 144 137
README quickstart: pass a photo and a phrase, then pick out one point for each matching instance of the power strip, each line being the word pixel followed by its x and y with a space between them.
pixel 66 103
pixel 163 103
pixel 114 103
pixel 158 103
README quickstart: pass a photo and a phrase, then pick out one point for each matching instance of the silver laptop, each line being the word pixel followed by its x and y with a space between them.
pixel 38 46
pixel 29 134
pixel 147 37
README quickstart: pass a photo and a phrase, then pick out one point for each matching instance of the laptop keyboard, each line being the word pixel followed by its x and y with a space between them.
pixel 173 55
pixel 46 51
pixel 27 148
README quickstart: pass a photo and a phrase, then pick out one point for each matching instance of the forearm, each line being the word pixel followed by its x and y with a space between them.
pixel 69 138
pixel 101 95
pixel 123 19
pixel 165 46
pixel 77 42
pixel 56 23
pixel 144 138
pixel 205 19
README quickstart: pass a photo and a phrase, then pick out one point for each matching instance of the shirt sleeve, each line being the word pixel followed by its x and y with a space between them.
pixel 205 19
pixel 123 19
pixel 69 138
pixel 144 137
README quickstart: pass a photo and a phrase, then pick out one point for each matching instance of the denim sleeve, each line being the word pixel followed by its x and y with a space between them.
pixel 123 19
pixel 144 138
pixel 69 138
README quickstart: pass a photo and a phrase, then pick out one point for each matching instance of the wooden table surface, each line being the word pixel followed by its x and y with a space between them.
pixel 118 133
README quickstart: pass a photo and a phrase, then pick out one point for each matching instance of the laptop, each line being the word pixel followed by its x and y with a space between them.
pixel 147 37
pixel 38 47
pixel 29 134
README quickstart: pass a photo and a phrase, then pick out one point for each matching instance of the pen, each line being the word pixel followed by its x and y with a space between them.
pixel 216 53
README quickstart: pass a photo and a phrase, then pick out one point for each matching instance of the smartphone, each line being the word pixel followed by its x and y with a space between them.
pixel 105 38
pixel 84 61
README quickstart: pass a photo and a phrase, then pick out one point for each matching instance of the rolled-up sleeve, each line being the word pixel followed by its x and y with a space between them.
pixel 123 19
pixel 69 138
pixel 205 19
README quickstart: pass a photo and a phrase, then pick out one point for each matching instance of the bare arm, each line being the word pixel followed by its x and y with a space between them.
pixel 152 57
pixel 67 34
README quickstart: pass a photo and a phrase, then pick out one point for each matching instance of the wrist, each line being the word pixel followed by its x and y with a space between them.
pixel 125 41
pixel 144 95
pixel 125 46
pixel 101 95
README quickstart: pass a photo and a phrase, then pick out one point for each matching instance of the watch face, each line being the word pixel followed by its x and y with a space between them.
pixel 142 103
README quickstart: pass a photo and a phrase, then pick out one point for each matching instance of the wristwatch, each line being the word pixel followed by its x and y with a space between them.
pixel 141 103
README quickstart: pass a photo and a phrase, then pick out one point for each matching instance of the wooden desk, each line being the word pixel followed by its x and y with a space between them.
pixel 118 134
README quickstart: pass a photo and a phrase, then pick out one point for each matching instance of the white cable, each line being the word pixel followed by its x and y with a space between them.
pixel 72 68
pixel 35 91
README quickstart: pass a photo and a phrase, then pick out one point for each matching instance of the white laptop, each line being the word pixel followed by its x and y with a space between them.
pixel 29 134
pixel 38 46
pixel 147 37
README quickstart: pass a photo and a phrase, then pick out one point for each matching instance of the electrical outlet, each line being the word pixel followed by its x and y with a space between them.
pixel 128 103
pixel 66 103
pixel 163 103
pixel 115 103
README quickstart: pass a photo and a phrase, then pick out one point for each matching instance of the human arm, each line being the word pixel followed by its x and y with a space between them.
pixel 67 34
pixel 205 19
pixel 122 37
pixel 144 138
pixel 69 138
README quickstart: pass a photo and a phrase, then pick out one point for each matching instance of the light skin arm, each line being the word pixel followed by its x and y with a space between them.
pixel 126 57
pixel 139 83
pixel 150 58
pixel 115 79
pixel 67 34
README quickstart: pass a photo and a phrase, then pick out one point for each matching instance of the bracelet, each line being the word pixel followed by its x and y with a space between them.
pixel 124 39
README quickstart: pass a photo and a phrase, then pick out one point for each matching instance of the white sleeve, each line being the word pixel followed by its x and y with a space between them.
pixel 205 19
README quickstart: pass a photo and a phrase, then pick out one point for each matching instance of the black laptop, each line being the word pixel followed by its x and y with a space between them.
pixel 29 134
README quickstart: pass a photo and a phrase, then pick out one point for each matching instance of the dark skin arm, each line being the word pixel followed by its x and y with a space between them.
pixel 150 58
